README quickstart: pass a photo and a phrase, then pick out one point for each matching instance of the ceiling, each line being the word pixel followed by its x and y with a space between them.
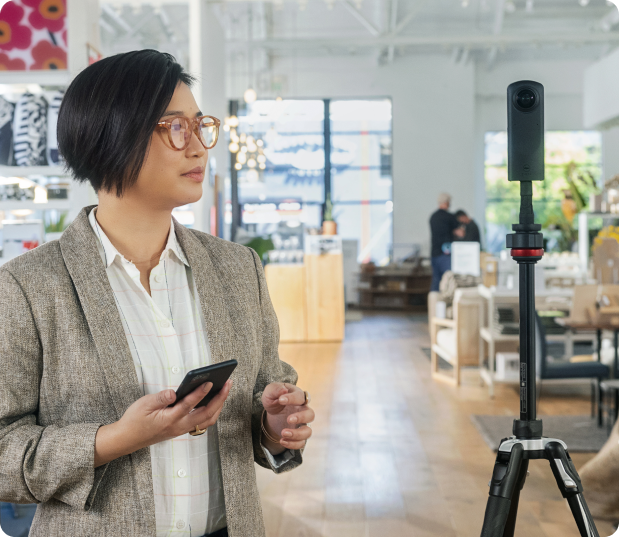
pixel 485 31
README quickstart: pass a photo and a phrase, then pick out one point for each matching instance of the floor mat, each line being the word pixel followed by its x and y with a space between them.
pixel 580 433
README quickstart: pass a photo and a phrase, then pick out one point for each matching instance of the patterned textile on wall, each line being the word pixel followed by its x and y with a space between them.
pixel 53 156
pixel 6 132
pixel 33 35
pixel 30 128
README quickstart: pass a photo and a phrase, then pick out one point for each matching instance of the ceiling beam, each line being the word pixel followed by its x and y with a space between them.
pixel 393 20
pixel 499 17
pixel 112 14
pixel 408 17
pixel 366 23
pixel 476 41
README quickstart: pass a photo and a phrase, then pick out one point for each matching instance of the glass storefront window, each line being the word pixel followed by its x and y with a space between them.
pixel 569 154
pixel 361 174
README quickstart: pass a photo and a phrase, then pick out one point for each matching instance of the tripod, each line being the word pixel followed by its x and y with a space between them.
pixel 515 452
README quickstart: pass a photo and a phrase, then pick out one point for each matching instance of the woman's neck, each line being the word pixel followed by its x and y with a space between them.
pixel 137 231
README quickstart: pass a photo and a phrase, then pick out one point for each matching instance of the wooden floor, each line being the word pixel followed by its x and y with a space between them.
pixel 394 453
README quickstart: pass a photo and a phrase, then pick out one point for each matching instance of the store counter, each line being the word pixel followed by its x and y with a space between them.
pixel 308 298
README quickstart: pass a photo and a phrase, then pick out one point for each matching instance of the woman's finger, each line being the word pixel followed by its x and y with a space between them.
pixel 295 396
pixel 189 402
pixel 296 435
pixel 306 415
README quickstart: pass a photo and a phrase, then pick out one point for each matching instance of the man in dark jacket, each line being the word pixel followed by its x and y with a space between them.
pixel 443 227
pixel 471 230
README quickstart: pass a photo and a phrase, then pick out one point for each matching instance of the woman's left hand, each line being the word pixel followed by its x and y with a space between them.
pixel 287 414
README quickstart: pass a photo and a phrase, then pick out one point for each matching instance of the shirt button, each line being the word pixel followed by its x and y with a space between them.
pixel 180 524
pixel 176 370
pixel 181 473
pixel 158 278
pixel 165 324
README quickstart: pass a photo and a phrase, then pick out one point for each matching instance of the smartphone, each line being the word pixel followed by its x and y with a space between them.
pixel 218 374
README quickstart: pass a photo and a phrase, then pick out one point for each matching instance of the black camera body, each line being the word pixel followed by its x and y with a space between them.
pixel 525 131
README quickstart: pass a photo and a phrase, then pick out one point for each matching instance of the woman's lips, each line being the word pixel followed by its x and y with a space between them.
pixel 197 175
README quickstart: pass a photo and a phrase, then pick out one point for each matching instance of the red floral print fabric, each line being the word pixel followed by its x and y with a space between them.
pixel 33 35
pixel 6 64
pixel 48 56
pixel 12 33
pixel 49 14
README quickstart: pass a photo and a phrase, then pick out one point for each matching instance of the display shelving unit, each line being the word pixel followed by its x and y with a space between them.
pixel 412 294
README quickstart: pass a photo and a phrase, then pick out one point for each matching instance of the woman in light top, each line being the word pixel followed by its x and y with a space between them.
pixel 98 329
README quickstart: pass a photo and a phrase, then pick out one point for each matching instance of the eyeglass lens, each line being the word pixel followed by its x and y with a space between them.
pixel 181 131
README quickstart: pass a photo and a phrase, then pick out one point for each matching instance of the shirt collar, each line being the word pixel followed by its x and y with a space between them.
pixel 110 252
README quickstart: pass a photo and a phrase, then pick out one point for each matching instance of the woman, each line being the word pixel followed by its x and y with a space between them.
pixel 98 329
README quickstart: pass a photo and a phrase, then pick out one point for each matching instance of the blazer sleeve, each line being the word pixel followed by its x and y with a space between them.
pixel 272 369
pixel 36 463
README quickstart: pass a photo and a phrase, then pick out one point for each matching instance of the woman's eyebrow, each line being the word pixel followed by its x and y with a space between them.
pixel 179 113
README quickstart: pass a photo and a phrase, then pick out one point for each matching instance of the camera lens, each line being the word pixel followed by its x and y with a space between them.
pixel 526 99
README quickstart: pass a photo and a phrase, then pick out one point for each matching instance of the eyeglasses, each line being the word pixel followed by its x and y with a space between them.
pixel 180 130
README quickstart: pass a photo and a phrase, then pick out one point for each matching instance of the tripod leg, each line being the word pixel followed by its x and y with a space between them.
pixel 570 486
pixel 505 485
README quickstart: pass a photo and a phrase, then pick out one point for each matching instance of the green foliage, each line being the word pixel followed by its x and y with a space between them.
pixel 573 164
pixel 328 216
pixel 261 245
pixel 56 225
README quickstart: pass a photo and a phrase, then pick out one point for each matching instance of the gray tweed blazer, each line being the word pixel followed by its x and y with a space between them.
pixel 66 369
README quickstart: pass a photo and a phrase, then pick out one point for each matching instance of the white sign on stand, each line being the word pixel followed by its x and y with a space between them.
pixel 465 258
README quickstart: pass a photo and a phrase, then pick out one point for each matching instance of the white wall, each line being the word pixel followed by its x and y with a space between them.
pixel 433 118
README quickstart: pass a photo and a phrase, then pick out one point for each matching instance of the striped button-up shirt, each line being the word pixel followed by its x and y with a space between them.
pixel 167 336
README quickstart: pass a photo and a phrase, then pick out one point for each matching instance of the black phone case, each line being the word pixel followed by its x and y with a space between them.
pixel 218 374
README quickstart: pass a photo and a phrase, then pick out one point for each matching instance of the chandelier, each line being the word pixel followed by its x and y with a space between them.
pixel 248 150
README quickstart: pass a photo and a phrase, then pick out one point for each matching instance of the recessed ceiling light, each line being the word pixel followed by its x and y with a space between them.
pixel 583 3
pixel 510 7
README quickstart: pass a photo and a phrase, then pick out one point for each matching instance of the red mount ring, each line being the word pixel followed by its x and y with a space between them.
pixel 538 252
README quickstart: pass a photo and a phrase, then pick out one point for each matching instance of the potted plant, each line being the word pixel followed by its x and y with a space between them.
pixel 329 226
pixel 54 228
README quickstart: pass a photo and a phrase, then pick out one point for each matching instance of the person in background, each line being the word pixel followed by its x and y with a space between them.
pixel 471 230
pixel 444 227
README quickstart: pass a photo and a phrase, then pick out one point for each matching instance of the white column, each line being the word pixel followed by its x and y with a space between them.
pixel 83 22
pixel 83 19
pixel 207 62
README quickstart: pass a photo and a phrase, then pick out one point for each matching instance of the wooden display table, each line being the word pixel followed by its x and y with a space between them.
pixel 308 298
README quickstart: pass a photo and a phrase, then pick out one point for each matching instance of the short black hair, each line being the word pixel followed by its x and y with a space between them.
pixel 109 113
pixel 460 213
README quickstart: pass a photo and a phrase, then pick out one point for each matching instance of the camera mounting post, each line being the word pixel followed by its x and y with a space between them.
pixel 525 131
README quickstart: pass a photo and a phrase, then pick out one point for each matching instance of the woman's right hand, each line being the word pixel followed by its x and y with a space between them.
pixel 151 420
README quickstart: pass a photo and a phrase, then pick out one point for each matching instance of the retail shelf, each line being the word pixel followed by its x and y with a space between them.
pixel 57 205
pixel 419 291
pixel 24 171
pixel 43 78
pixel 488 336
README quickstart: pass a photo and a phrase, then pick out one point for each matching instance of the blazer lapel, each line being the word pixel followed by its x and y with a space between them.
pixel 81 256
pixel 87 270
pixel 219 327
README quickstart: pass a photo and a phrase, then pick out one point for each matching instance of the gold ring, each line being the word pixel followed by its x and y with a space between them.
pixel 308 398
pixel 197 432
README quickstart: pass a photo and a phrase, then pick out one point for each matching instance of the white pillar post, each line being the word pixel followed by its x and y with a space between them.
pixel 207 63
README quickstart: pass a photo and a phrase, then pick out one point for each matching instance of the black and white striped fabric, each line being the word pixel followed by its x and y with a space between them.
pixel 6 132
pixel 53 156
pixel 30 130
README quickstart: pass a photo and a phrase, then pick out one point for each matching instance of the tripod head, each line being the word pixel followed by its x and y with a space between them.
pixel 525 133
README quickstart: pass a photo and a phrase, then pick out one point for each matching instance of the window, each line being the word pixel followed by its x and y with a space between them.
pixel 574 156
pixel 361 175
pixel 290 191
